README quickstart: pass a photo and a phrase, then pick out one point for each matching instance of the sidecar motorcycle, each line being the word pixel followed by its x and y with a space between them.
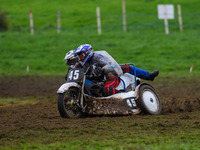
pixel 80 97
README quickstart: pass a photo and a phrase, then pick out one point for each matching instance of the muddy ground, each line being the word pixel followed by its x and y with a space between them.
pixel 180 98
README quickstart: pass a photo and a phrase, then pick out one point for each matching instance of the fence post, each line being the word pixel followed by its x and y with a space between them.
pixel 27 68
pixel 180 18
pixel 31 22
pixel 58 23
pixel 98 20
pixel 124 15
pixel 165 20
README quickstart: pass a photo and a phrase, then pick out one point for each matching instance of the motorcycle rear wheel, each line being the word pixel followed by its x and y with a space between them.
pixel 67 105
pixel 149 101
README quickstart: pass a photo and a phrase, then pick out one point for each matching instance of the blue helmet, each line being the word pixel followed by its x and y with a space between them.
pixel 84 52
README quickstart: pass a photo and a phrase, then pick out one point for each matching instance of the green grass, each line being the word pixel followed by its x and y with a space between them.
pixel 11 101
pixel 6 102
pixel 147 49
pixel 77 13
pixel 145 43
pixel 143 142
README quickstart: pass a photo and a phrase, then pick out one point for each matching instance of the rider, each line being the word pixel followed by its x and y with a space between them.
pixel 102 62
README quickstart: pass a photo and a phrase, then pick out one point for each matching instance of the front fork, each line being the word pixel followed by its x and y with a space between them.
pixel 82 94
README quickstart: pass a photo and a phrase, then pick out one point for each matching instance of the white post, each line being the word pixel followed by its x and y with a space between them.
pixel 165 20
pixel 124 15
pixel 98 20
pixel 180 18
pixel 31 22
pixel 58 23
pixel 27 68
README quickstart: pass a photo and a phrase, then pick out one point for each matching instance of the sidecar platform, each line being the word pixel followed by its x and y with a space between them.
pixel 111 105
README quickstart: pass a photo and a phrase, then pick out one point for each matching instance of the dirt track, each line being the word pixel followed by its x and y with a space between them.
pixel 178 96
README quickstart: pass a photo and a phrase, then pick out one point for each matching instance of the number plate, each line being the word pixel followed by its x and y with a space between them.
pixel 75 75
pixel 131 102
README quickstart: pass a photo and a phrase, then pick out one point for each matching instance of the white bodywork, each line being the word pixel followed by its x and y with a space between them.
pixel 66 86
pixel 128 80
pixel 122 95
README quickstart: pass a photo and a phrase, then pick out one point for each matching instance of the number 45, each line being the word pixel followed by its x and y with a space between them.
pixel 73 75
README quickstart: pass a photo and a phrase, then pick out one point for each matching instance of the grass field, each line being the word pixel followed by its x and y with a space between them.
pixel 77 13
pixel 148 48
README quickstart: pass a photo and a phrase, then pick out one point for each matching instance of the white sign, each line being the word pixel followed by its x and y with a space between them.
pixel 166 11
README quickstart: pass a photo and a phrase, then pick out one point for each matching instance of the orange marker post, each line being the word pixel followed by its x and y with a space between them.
pixel 191 68
pixel 28 66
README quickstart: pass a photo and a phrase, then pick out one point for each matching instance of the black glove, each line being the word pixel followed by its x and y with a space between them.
pixel 96 71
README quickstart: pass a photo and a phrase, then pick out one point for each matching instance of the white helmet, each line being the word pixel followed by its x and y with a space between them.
pixel 71 59
pixel 69 55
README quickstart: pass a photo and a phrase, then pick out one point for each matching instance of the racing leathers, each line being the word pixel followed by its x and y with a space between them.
pixel 102 62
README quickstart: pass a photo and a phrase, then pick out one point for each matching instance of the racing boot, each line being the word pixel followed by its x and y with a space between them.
pixel 153 75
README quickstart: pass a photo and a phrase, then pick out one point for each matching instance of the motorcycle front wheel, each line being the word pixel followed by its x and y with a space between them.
pixel 67 104
pixel 149 101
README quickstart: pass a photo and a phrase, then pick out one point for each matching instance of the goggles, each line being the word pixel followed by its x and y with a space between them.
pixel 81 55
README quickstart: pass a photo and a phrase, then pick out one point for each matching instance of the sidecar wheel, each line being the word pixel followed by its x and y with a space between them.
pixel 67 104
pixel 149 101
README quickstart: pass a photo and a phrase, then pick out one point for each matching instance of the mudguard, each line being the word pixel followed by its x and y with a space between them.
pixel 63 88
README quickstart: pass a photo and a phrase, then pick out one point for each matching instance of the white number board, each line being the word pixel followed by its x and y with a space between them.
pixel 166 11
